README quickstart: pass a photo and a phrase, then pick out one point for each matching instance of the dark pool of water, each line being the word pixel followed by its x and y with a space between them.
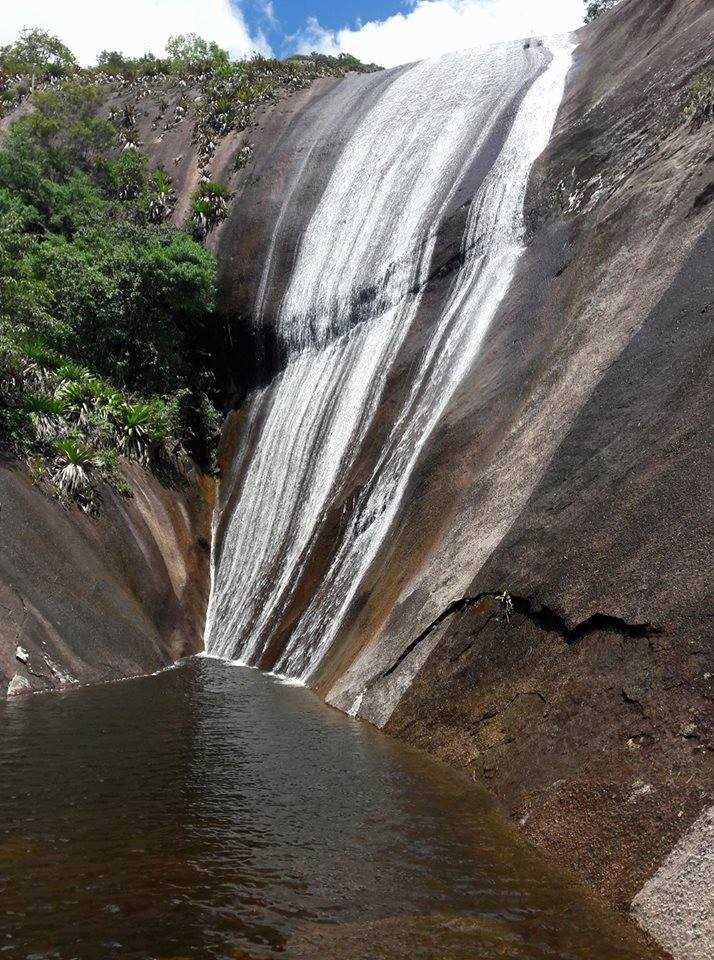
pixel 212 812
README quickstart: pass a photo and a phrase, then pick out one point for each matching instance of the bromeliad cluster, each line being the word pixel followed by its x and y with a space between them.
pixel 231 93
pixel 71 427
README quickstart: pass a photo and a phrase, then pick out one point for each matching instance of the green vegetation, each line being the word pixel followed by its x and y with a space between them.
pixel 192 52
pixel 107 314
pixel 210 207
pixel 699 105
pixel 110 341
pixel 596 7
pixel 36 54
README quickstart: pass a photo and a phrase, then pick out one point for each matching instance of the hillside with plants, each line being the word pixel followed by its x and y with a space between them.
pixel 111 343
pixel 453 322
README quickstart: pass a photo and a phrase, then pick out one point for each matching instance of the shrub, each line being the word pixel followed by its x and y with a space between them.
pixel 114 63
pixel 190 52
pixel 37 54
pixel 106 317
pixel 210 207
pixel 63 132
pixel 596 7
pixel 128 176
pixel 699 105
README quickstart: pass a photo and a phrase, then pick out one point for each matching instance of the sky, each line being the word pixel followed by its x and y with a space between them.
pixel 388 32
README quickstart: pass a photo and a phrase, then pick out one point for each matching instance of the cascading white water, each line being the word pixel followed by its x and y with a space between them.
pixel 375 229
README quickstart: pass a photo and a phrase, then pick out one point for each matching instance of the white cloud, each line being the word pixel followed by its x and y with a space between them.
pixel 432 27
pixel 268 10
pixel 130 26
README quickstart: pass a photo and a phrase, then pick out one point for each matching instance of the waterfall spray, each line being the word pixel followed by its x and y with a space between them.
pixel 354 294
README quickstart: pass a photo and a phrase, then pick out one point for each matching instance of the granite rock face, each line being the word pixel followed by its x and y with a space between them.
pixel 677 904
pixel 570 472
pixel 539 612
pixel 89 600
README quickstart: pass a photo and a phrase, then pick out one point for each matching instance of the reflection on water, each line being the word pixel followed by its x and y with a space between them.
pixel 212 812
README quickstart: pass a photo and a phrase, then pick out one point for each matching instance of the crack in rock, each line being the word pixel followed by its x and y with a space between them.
pixel 456 606
pixel 543 616
pixel 551 621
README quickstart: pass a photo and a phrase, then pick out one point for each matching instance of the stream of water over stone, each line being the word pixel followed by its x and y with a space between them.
pixel 213 812
pixel 355 291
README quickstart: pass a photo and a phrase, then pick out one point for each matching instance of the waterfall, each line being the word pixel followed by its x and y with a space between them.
pixel 354 295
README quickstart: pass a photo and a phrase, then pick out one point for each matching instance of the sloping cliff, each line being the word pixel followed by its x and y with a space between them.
pixel 89 600
pixel 538 610
pixel 569 472
pixel 536 607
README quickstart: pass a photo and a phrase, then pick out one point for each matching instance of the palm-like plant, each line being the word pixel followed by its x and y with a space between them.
pixel 79 399
pixel 163 196
pixel 38 361
pixel 74 464
pixel 69 372
pixel 210 207
pixel 135 430
pixel 45 413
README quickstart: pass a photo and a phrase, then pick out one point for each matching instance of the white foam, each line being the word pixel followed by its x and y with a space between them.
pixel 376 226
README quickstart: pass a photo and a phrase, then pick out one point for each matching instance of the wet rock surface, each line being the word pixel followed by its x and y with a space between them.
pixel 567 473
pixel 570 472
pixel 83 600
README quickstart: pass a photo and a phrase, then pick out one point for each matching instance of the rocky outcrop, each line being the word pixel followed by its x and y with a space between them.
pixel 569 473
pixel 84 600
pixel 539 611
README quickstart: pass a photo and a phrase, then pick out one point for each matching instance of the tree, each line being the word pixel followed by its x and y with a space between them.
pixel 63 131
pixel 112 61
pixel 37 54
pixel 190 50
pixel 137 301
pixel 595 7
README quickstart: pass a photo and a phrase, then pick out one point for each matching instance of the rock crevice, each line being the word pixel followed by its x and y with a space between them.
pixel 543 616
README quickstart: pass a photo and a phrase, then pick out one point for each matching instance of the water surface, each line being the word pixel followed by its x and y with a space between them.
pixel 211 811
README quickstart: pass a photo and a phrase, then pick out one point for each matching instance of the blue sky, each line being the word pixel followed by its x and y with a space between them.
pixel 395 31
pixel 284 21
pixel 292 14
pixel 388 32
